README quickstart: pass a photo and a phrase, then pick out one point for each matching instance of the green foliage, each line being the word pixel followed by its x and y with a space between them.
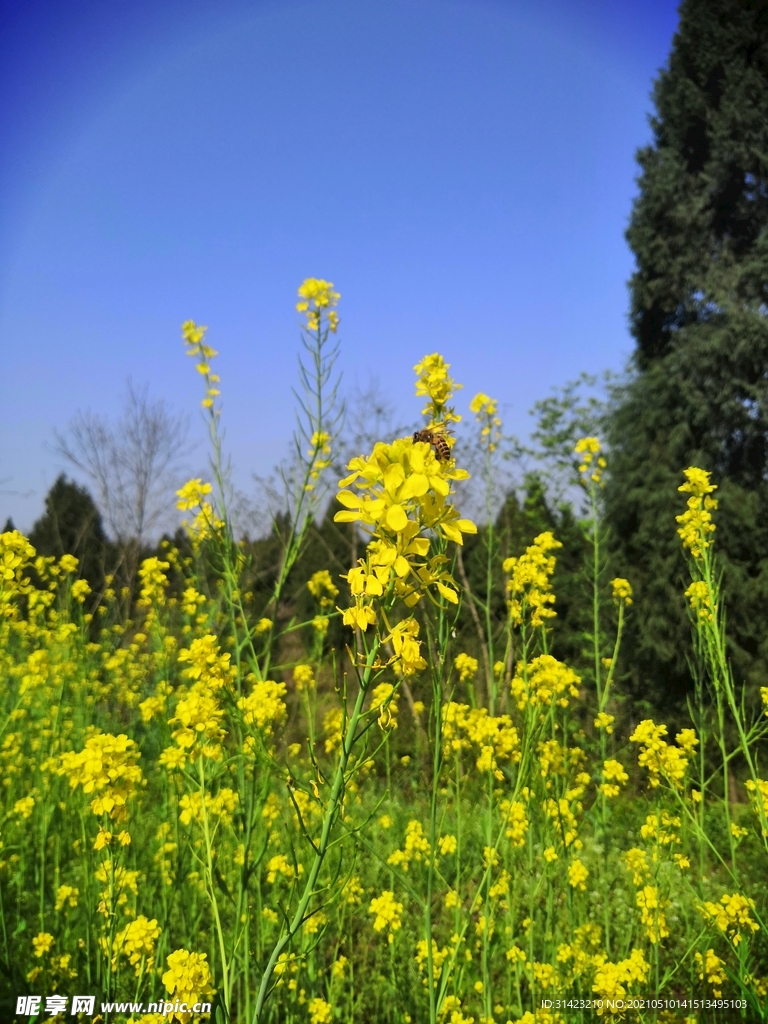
pixel 699 394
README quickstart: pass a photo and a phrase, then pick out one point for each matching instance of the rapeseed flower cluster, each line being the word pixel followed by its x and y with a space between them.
pixel 696 526
pixel 384 700
pixel 194 339
pixel 16 555
pixel 758 797
pixel 188 980
pixel 317 301
pixel 387 913
pixel 731 915
pixel 153 582
pixel 415 847
pixel 659 758
pixel 486 413
pixel 543 683
pixel 467 666
pixel 494 737
pixel 613 979
pixel 578 874
pixel 699 595
pixel 529 583
pixel 107 766
pixel 592 464
pixel 652 913
pixel 264 706
pixel 319 1011
pixel 621 591
pixel 323 589
pixel 402 491
pixel 436 385
pixel 193 496
pixel 614 777
pixel 221 806
pixel 136 942
pixel 711 967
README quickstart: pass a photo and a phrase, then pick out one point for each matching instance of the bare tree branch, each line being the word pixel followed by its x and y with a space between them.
pixel 133 464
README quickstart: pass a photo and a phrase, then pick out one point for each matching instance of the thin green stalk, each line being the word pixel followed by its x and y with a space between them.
pixel 331 813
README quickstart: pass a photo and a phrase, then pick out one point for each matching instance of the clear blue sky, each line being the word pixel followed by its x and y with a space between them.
pixel 462 170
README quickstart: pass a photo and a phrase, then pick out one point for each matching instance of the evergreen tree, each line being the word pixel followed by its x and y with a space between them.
pixel 71 524
pixel 699 313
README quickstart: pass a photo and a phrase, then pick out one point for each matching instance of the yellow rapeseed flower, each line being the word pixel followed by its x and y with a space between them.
pixel 188 980
pixel 387 913
pixel 107 767
pixel 137 942
pixel 578 874
pixel 415 847
pixel 447 845
pixel 485 410
pixel 696 526
pixel 317 300
pixel 332 729
pixel 66 896
pixel 621 590
pixel 544 682
pixel 42 943
pixel 659 758
pixel 614 777
pixel 193 495
pixel 604 721
pixel 651 913
pixel 731 915
pixel 698 594
pixel 711 967
pixel 435 383
pixel 153 582
pixel 407 647
pixel 529 583
pixel 264 706
pixel 384 699
pixel 611 979
pixel 319 1011
pixel 24 806
pixel 322 588
pixel 466 666
pixel 401 493
pixel 592 464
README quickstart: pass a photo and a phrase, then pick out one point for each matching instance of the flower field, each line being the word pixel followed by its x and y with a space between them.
pixel 207 797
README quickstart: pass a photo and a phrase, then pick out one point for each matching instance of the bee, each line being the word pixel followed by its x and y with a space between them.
pixel 436 436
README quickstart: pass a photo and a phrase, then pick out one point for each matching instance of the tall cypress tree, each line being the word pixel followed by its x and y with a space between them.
pixel 699 314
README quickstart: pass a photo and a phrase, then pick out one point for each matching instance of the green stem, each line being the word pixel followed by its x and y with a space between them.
pixel 329 820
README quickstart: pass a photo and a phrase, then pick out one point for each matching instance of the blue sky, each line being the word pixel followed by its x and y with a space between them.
pixel 462 170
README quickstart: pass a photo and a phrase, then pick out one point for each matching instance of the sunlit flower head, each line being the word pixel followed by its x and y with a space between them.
pixel 696 526
pixel 486 413
pixel 592 464
pixel 194 335
pixel 317 300
pixel 621 591
pixel 435 383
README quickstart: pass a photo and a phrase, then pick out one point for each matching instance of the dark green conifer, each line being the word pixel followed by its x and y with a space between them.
pixel 71 524
pixel 699 313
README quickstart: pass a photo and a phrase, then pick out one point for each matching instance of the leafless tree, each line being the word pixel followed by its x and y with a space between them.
pixel 370 418
pixel 133 464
